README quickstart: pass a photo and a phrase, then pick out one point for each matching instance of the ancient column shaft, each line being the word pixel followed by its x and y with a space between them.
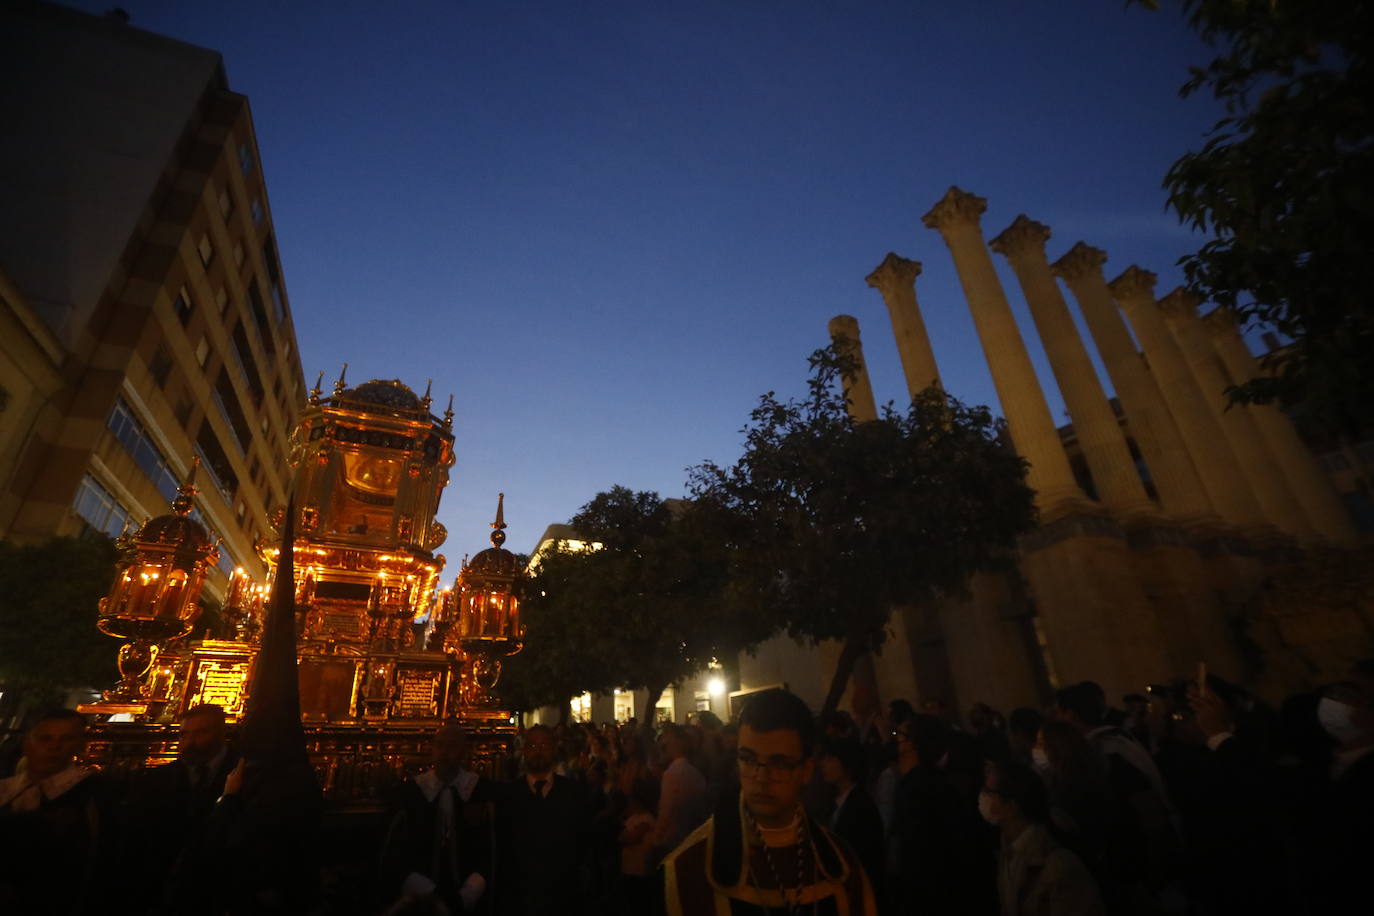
pixel 956 218
pixel 1310 485
pixel 895 278
pixel 1256 460
pixel 1099 434
pixel 844 332
pixel 1212 455
pixel 1171 469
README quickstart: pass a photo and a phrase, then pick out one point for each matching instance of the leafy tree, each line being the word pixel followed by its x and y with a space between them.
pixel 49 597
pixel 836 521
pixel 642 611
pixel 1285 184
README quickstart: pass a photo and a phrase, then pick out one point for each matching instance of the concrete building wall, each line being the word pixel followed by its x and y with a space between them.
pixel 137 231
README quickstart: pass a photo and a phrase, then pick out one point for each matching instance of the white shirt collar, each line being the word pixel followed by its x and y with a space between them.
pixel 431 785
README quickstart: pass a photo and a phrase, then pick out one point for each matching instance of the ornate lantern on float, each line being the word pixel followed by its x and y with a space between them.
pixel 488 626
pixel 158 578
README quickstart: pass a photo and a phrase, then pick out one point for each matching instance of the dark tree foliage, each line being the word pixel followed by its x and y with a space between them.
pixel 1285 187
pixel 49 597
pixel 832 522
pixel 642 611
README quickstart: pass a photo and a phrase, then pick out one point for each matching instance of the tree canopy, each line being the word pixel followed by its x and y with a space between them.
pixel 644 610
pixel 49 598
pixel 831 522
pixel 1285 187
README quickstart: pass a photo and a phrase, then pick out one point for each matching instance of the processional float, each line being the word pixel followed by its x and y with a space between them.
pixel 385 654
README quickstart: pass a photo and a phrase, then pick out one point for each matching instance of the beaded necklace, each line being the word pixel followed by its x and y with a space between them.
pixel 792 903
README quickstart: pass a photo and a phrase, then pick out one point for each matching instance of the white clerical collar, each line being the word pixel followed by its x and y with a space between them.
pixel 431 785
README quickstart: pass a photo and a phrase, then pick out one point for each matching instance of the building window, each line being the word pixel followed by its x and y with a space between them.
pixel 240 510
pixel 239 254
pixel 182 306
pixel 134 437
pixel 206 250
pixel 257 211
pixel 160 366
pixel 221 299
pixel 203 351
pixel 183 412
pixel 98 508
pixel 226 203
pixel 246 159
pixel 216 463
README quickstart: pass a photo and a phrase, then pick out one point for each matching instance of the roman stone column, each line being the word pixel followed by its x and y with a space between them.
pixel 895 278
pixel 844 332
pixel 1171 469
pixel 956 217
pixel 1212 455
pixel 1179 309
pixel 1310 485
pixel 1099 434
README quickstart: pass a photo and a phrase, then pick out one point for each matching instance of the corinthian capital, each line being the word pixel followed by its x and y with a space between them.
pixel 1134 283
pixel 1024 236
pixel 896 272
pixel 1180 304
pixel 956 208
pixel 1221 321
pixel 1079 261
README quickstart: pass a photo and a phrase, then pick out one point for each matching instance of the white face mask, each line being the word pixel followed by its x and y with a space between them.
pixel 1335 717
pixel 1040 760
pixel 986 801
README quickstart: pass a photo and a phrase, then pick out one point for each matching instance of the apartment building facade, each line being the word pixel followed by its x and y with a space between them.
pixel 144 320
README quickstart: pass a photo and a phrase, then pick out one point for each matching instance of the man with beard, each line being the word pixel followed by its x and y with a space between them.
pixel 544 842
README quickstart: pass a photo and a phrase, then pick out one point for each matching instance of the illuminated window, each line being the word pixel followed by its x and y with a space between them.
pixel 664 711
pixel 202 351
pixel 221 299
pixel 206 250
pixel 582 708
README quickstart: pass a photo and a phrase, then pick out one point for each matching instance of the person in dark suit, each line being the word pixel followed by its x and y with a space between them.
pixel 438 843
pixel 843 765
pixel 544 832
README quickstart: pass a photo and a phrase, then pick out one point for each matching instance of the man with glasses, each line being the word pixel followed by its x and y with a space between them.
pixel 760 853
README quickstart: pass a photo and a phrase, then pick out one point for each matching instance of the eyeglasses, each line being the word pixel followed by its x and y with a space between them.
pixel 772 768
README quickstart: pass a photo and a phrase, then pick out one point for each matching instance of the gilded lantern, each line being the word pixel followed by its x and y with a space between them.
pixel 158 579
pixel 488 625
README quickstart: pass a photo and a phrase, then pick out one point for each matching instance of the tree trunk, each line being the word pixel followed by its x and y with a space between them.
pixel 651 701
pixel 564 712
pixel 854 647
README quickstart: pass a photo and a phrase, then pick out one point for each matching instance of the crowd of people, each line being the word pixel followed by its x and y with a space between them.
pixel 1193 797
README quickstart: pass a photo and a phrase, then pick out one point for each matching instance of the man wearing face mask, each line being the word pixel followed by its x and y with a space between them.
pixel 1035 876
pixel 1339 840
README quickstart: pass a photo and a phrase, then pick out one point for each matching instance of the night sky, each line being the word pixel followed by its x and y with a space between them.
pixel 608 227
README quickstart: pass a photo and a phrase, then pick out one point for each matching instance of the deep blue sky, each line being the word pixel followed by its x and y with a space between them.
pixel 608 227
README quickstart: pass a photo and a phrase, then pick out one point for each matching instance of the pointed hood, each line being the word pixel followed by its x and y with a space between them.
pixel 271 728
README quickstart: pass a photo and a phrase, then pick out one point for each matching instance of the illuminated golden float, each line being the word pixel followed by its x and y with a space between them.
pixel 384 654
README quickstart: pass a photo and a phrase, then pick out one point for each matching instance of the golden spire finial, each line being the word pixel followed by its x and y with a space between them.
pixel 427 400
pixel 185 498
pixel 448 414
pixel 315 392
pixel 498 534
pixel 339 385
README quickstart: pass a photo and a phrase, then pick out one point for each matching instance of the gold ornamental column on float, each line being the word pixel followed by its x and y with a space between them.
pixel 1212 455
pixel 844 333
pixel 1312 487
pixel 1179 309
pixel 895 279
pixel 488 626
pixel 956 217
pixel 1099 434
